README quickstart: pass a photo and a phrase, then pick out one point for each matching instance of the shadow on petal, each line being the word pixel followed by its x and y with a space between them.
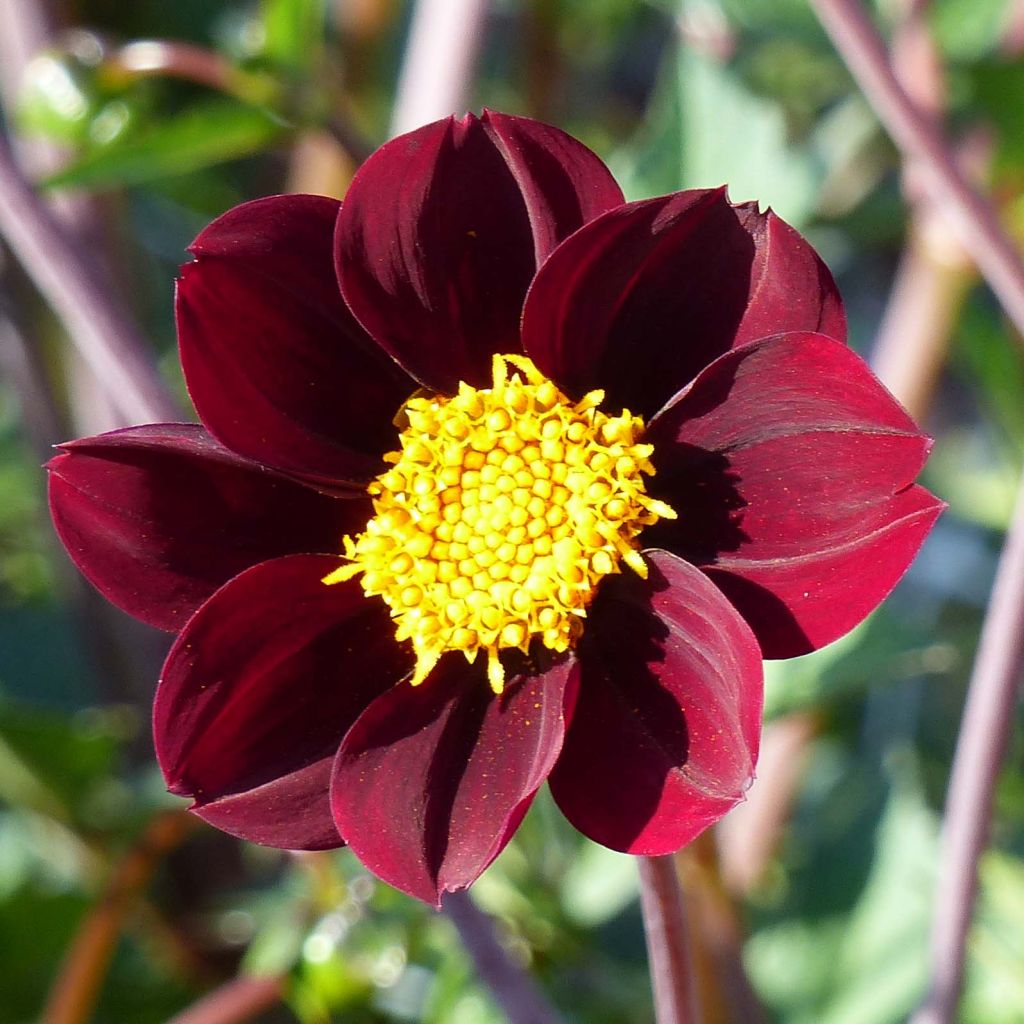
pixel 665 736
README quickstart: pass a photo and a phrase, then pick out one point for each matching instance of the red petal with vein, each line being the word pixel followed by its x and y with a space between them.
pixel 258 692
pixel 278 368
pixel 563 183
pixel 641 299
pixel 431 782
pixel 665 735
pixel 790 467
pixel 158 517
pixel 441 232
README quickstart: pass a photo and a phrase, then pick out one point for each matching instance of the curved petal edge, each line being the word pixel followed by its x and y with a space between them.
pixel 667 727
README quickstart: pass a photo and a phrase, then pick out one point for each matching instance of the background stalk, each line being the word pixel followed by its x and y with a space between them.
pixel 668 951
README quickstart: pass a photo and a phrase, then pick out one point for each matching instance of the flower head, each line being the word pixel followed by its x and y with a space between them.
pixel 500 479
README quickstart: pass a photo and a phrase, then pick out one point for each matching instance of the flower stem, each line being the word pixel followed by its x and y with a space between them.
pixel 444 41
pixel 79 980
pixel 512 988
pixel 238 1000
pixel 987 718
pixel 63 274
pixel 668 951
pixel 917 135
pixel 981 746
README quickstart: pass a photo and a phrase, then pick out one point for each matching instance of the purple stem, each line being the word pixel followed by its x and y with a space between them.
pixel 981 746
pixel 668 952
pixel 995 679
pixel 63 274
pixel 512 988
pixel 238 1000
pixel 864 52
pixel 440 56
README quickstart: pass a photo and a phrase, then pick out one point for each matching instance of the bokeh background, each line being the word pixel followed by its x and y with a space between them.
pixel 810 905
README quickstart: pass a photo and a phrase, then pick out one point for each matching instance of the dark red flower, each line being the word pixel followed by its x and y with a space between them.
pixel 529 349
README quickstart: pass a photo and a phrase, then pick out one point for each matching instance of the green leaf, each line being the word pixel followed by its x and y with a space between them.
pixel 997 89
pixel 734 137
pixel 293 31
pixel 867 967
pixel 712 130
pixel 32 777
pixel 57 98
pixel 994 985
pixel 207 133
pixel 880 651
pixel 977 478
pixel 882 964
pixel 968 29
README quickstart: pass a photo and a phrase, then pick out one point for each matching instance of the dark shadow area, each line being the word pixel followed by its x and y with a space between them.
pixel 681 307
pixel 621 696
pixel 705 492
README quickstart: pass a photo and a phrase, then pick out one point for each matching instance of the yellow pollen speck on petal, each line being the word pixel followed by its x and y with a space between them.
pixel 499 516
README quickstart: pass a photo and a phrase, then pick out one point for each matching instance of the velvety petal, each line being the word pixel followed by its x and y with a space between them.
pixel 563 183
pixel 277 366
pixel 431 782
pixel 158 517
pixel 665 735
pixel 641 299
pixel 442 230
pixel 258 691
pixel 790 467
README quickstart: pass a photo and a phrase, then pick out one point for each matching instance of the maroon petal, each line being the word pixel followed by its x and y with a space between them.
pixel 258 692
pixel 276 365
pixel 665 735
pixel 443 228
pixel 158 517
pixel 790 467
pixel 563 183
pixel 644 297
pixel 431 782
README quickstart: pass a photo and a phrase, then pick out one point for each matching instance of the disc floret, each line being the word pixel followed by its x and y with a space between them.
pixel 499 516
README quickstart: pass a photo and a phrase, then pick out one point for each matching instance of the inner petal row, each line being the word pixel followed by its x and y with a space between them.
pixel 500 514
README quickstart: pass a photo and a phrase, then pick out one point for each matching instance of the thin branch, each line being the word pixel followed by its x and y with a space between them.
pixel 981 746
pixel 168 58
pixel 512 988
pixel 913 338
pixel 863 50
pixel 440 57
pixel 340 128
pixel 724 992
pixel 27 28
pixel 750 833
pixel 239 1000
pixel 668 952
pixel 1013 30
pixel 987 717
pixel 62 272
pixel 80 978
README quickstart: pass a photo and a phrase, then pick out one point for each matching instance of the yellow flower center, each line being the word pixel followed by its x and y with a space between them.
pixel 500 515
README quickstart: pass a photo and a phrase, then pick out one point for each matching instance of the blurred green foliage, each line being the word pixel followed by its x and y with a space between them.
pixel 673 95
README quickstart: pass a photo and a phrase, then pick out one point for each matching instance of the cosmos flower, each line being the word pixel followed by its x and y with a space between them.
pixel 499 480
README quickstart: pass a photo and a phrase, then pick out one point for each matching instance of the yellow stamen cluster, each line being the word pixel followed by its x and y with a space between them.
pixel 500 515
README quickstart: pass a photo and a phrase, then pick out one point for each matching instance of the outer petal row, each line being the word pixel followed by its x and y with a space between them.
pixel 791 468
pixel 277 677
pixel 431 782
pixel 158 517
pixel 641 299
pixel 259 690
